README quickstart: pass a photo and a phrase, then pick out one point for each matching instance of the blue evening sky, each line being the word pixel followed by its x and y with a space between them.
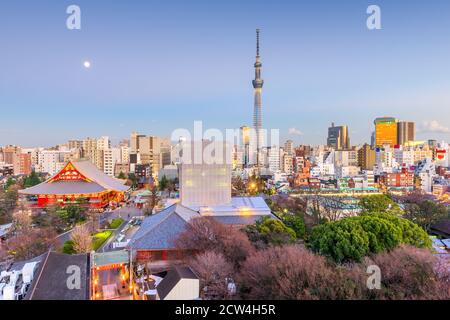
pixel 160 65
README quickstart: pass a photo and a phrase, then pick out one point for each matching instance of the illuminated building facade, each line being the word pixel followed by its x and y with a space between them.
pixel 78 183
pixel 386 131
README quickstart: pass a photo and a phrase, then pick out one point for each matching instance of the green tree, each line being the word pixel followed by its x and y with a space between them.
pixel 121 176
pixel 383 234
pixel 412 234
pixel 9 183
pixel 343 240
pixel 8 202
pixel 71 214
pixel 163 183
pixel 351 239
pixel 132 180
pixel 31 180
pixel 270 231
pixel 51 217
pixel 296 223
pixel 426 213
pixel 379 203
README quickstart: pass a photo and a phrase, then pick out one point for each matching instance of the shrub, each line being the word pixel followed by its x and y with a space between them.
pixel 68 247
pixel 270 231
pixel 409 273
pixel 353 238
pixel 296 223
pixel 206 234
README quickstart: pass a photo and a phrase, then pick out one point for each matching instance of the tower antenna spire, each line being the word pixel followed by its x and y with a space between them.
pixel 257 42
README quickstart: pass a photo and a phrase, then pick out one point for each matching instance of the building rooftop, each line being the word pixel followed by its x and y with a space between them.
pixel 159 231
pixel 51 279
pixel 81 177
pixel 172 278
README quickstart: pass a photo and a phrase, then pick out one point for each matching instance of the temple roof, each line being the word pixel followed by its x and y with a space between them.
pixel 81 177
pixel 64 187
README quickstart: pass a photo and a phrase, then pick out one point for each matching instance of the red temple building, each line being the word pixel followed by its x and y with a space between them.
pixel 77 183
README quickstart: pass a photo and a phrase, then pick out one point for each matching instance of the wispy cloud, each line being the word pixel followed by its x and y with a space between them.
pixel 433 126
pixel 295 132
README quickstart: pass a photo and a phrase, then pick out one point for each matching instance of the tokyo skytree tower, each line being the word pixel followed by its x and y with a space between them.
pixel 257 111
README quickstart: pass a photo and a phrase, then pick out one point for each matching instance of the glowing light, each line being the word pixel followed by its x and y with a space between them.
pixel 244 211
pixel 87 64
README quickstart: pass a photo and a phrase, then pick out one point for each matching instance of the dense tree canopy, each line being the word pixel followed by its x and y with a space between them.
pixel 31 180
pixel 379 203
pixel 353 238
pixel 269 231
pixel 295 222
pixel 426 213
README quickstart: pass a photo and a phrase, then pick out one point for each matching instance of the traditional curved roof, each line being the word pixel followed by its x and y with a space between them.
pixel 78 177
pixel 64 187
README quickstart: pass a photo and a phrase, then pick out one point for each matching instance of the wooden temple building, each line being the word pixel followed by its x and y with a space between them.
pixel 78 183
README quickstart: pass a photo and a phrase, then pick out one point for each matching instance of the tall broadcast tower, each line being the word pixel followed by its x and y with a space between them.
pixel 257 109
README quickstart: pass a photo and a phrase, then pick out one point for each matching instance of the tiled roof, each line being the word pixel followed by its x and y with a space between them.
pixel 64 187
pixel 101 182
pixel 51 279
pixel 159 231
pixel 88 169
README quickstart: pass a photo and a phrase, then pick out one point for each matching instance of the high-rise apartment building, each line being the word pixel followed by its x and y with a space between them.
pixel 111 157
pixel 150 151
pixel 406 131
pixel 386 132
pixel 366 157
pixel 289 147
pixel 22 163
pixel 338 137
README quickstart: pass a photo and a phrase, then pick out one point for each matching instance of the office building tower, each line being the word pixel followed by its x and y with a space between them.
pixel 386 132
pixel 338 137
pixel 406 131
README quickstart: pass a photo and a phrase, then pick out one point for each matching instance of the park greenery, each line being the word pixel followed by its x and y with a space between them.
pixel 269 231
pixel 351 239
pixel 84 243
pixel 100 238
pixel 115 223
pixel 292 271
pixel 379 204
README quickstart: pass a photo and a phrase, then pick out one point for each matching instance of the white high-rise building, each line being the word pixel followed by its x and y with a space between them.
pixel 273 158
pixel 51 161
pixel 111 156
pixel 426 171
pixel 204 181
pixel 124 154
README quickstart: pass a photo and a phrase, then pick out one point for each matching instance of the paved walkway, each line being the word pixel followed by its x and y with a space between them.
pixel 125 213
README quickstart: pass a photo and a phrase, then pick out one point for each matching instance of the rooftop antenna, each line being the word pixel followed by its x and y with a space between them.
pixel 257 42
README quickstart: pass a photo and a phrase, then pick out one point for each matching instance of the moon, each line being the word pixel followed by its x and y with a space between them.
pixel 87 64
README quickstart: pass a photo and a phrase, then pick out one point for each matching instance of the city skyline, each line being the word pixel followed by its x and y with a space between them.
pixel 323 64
